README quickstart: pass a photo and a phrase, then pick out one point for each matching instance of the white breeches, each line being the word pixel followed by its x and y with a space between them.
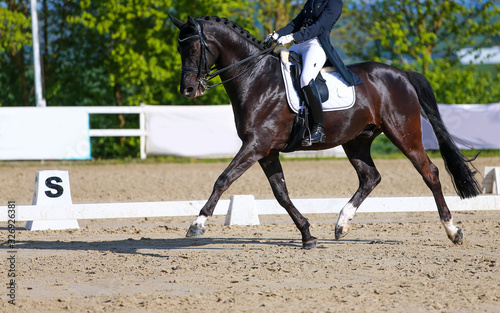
pixel 313 59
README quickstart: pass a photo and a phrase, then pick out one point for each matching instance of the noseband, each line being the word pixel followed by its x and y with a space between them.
pixel 203 68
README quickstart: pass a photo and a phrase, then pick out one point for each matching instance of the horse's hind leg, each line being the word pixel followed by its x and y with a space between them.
pixel 358 152
pixel 413 149
pixel 272 168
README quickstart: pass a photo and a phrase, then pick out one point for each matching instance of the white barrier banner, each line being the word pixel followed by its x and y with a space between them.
pixel 200 131
pixel 53 133
pixel 209 131
pixel 194 131
pixel 475 126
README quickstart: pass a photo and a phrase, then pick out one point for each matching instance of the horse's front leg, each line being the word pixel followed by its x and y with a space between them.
pixel 244 159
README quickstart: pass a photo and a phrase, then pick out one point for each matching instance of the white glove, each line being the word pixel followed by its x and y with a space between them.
pixel 271 37
pixel 283 40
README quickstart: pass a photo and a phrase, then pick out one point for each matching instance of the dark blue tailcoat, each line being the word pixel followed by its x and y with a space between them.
pixel 317 19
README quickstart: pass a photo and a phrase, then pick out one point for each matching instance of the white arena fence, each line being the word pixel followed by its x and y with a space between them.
pixel 52 206
pixel 63 133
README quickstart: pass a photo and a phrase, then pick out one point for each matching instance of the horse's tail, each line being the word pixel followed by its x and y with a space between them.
pixel 456 164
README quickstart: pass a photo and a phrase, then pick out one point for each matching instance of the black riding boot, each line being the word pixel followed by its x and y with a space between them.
pixel 314 102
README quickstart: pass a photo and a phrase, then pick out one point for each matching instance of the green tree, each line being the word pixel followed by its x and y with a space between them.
pixel 72 63
pixel 273 15
pixel 15 34
pixel 408 30
pixel 14 26
pixel 135 53
pixel 425 36
pixel 462 84
pixel 140 52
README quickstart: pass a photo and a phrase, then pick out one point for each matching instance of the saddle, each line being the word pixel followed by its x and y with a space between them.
pixel 296 71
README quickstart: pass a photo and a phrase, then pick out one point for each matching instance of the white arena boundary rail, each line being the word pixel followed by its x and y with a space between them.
pixel 53 209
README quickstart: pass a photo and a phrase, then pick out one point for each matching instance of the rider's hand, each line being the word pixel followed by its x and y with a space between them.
pixel 271 37
pixel 283 40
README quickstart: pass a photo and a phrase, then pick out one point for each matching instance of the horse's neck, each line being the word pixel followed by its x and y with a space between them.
pixel 233 47
pixel 262 78
pixel 241 79
pixel 232 52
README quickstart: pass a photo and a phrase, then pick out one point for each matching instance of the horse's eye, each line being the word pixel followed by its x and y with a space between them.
pixel 193 51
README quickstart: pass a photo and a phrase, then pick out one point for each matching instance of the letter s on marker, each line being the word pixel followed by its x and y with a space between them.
pixel 59 189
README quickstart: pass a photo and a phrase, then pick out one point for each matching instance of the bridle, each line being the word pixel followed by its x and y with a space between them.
pixel 203 56
pixel 204 73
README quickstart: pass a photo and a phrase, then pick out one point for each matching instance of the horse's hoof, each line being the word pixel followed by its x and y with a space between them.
pixel 195 230
pixel 308 245
pixel 459 237
pixel 341 232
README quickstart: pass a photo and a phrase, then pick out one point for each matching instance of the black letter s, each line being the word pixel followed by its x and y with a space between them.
pixel 58 188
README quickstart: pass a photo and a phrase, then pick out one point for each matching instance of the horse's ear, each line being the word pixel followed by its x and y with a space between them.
pixel 176 22
pixel 191 20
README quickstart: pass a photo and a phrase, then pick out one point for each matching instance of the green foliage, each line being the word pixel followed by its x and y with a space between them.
pixel 15 34
pixel 15 30
pixel 405 30
pixel 239 11
pixel 141 45
pixel 11 83
pixel 135 53
pixel 274 15
pixel 383 146
pixel 115 147
pixel 464 83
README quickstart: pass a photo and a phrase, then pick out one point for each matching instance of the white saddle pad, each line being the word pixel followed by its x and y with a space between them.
pixel 341 96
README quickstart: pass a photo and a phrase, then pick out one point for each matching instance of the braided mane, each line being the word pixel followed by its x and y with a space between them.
pixel 245 34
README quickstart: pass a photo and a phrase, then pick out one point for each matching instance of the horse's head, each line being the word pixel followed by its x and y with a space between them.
pixel 196 55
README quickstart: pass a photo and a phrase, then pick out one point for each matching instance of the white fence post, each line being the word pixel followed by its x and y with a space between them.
pixel 491 179
pixel 242 211
pixel 142 127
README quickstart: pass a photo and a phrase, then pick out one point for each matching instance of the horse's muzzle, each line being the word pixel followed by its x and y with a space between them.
pixel 192 92
pixel 192 86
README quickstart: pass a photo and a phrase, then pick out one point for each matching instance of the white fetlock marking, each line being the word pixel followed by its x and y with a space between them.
pixel 346 214
pixel 451 230
pixel 200 221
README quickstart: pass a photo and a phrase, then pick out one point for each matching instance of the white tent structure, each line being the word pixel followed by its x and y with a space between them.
pixel 484 55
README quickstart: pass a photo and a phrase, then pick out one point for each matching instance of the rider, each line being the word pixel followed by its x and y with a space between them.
pixel 310 31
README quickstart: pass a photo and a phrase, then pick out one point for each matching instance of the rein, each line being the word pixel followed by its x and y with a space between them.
pixel 216 73
pixel 203 61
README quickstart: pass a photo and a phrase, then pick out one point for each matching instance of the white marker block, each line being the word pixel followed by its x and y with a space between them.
pixel 52 189
pixel 242 211
pixel 491 180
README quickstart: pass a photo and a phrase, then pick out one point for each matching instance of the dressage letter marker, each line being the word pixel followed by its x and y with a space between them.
pixel 52 189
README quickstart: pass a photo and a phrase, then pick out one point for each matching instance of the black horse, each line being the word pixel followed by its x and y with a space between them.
pixel 389 101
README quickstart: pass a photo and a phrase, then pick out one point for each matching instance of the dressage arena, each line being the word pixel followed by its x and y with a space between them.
pixel 395 262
